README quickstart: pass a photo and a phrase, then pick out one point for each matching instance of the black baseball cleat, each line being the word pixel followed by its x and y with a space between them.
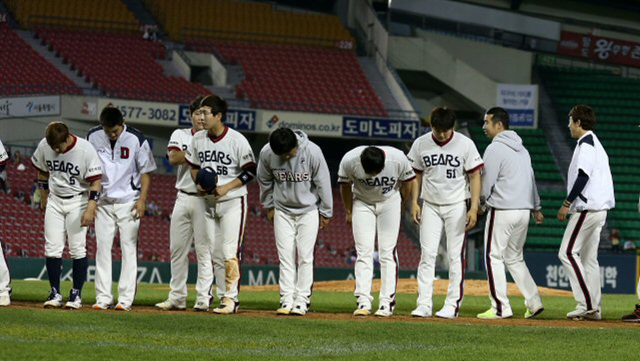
pixel 633 316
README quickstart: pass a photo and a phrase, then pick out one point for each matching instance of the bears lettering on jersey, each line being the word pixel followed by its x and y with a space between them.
pixel 379 182
pixel 64 167
pixel 288 176
pixel 214 156
pixel 441 159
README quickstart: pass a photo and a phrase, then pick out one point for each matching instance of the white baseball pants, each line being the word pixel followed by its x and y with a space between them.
pixel 505 233
pixel 366 219
pixel 296 235
pixel 230 219
pixel 5 278
pixel 452 219
pixel 109 219
pixel 579 256
pixel 190 223
pixel 62 221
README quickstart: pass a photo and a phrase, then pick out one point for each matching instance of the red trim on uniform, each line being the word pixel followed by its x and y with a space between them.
pixel 243 219
pixel 487 257
pixel 4 161
pixel 93 178
pixel 410 179
pixel 463 266
pixel 417 171
pixel 194 166
pixel 248 165
pixel 574 264
pixel 442 144
pixel 476 168
pixel 174 148
pixel 193 131
pixel 218 138
pixel 73 144
pixel 38 169
pixel 392 304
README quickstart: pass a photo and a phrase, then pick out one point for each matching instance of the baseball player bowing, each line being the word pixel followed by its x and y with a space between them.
pixel 510 193
pixel 295 188
pixel 369 180
pixel 5 277
pixel 126 160
pixel 447 166
pixel 229 154
pixel 69 174
pixel 590 196
pixel 189 224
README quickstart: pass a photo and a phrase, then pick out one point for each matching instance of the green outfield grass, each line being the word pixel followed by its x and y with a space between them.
pixel 28 333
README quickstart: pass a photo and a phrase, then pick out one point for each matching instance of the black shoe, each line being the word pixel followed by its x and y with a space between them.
pixel 634 316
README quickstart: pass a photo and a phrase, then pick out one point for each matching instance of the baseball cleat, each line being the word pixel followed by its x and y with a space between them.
pixel 201 306
pixel 227 306
pixel 421 311
pixel 5 300
pixel 579 314
pixel 101 306
pixel 169 305
pixel 121 307
pixel 284 310
pixel 447 312
pixel 384 311
pixel 491 314
pixel 362 310
pixel 75 300
pixel 633 316
pixel 531 314
pixel 54 300
pixel 299 310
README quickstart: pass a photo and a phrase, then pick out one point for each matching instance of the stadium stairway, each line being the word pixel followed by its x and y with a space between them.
pixel 378 83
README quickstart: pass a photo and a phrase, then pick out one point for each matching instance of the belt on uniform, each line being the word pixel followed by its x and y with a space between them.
pixel 189 193
pixel 68 197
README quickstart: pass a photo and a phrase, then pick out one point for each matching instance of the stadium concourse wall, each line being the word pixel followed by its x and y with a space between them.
pixel 618 272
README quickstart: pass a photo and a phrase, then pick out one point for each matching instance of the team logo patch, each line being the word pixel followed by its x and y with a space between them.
pixel 124 152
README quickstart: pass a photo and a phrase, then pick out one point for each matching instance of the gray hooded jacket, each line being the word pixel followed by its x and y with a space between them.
pixel 508 181
pixel 298 185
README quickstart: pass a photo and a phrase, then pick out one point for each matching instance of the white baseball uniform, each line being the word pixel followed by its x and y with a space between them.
pixel 299 189
pixel 445 189
pixel 509 189
pixel 190 224
pixel 579 248
pixel 123 161
pixel 230 155
pixel 5 277
pixel 377 201
pixel 70 174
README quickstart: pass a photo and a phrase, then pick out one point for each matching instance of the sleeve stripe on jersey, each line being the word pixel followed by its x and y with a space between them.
pixel 409 179
pixel 249 166
pixel 194 166
pixel 416 170
pixel 38 169
pixel 477 168
pixel 93 178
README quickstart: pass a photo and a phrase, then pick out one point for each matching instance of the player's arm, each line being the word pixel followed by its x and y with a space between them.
pixel 490 172
pixel 576 190
pixel 322 180
pixel 536 212
pixel 94 194
pixel 141 203
pixel 406 191
pixel 176 157
pixel 265 181
pixel 43 186
pixel 475 185
pixel 415 192
pixel 346 193
pixel 247 175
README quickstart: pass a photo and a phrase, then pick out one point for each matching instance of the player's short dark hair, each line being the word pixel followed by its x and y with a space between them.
pixel 372 159
pixel 442 118
pixel 111 116
pixel 217 105
pixel 585 115
pixel 56 133
pixel 282 141
pixel 499 115
pixel 195 104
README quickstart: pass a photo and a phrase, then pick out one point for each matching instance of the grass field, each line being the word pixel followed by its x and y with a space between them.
pixel 28 332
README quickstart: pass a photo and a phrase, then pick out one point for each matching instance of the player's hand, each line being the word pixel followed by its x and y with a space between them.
pixel 88 216
pixel 538 217
pixel 221 190
pixel 348 218
pixel 324 221
pixel 415 213
pixel 138 209
pixel 472 218
pixel 43 201
pixel 562 213
pixel 270 213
